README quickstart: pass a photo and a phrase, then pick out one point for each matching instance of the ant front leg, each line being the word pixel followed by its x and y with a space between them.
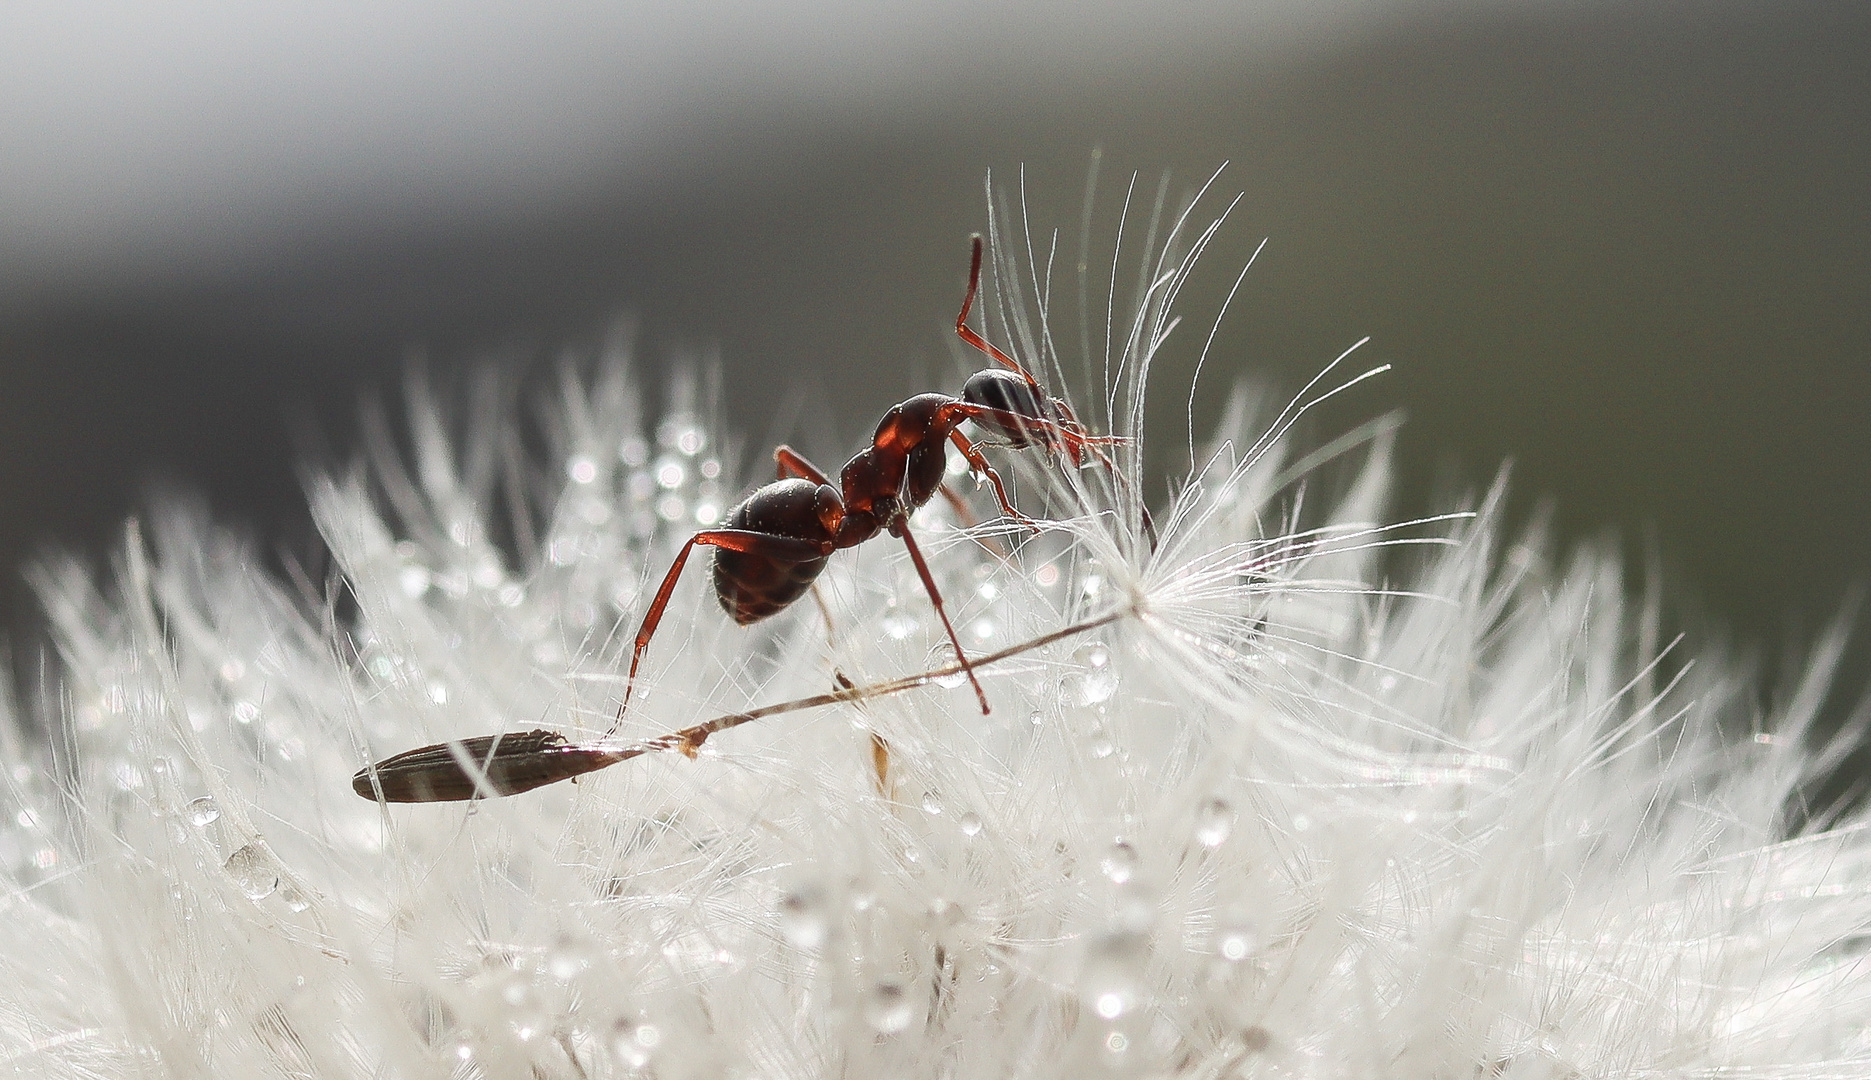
pixel 744 540
pixel 979 463
pixel 901 528
pixel 976 341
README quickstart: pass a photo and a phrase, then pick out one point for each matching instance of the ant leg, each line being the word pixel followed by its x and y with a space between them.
pixel 1054 435
pixel 979 463
pixel 967 334
pixel 901 529
pixel 1071 422
pixel 792 463
pixel 960 505
pixel 966 516
pixel 732 539
pixel 1068 437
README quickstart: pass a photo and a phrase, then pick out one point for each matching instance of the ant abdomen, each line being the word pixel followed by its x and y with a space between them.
pixel 753 585
pixel 1007 392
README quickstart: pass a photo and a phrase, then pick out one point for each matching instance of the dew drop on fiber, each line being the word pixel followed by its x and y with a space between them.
pixel 1237 938
pixel 633 1042
pixel 203 812
pixel 567 960
pixel 1112 982
pixel 253 872
pixel 887 1006
pixel 805 917
pixel 1214 822
pixel 1096 681
pixel 1119 863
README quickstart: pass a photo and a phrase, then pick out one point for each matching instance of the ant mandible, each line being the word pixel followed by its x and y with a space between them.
pixel 776 542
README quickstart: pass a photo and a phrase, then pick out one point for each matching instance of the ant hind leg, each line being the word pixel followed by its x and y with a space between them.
pixel 791 463
pixel 744 540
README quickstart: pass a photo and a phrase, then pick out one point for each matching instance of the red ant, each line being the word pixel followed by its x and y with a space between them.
pixel 774 545
pixel 776 542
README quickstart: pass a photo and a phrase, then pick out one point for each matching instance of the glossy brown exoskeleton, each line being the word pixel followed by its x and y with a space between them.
pixel 768 552
pixel 777 541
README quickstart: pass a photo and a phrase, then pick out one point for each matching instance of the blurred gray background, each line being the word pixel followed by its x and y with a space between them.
pixel 1624 245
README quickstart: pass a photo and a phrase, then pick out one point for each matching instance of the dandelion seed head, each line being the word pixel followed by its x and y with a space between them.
pixel 1328 789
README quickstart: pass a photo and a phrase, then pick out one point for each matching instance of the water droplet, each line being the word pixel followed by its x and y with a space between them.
pixel 293 898
pixel 898 625
pixel 951 680
pixel 1119 863
pixel 945 912
pixel 203 812
pixel 581 469
pixel 887 1006
pixel 669 473
pixel 253 872
pixel 1036 718
pixel 1237 938
pixel 1214 822
pixel 567 960
pixel 1097 682
pixel 516 990
pixel 1112 980
pixel 634 1042
pixel 932 803
pixel 971 824
pixel 1101 745
pixel 415 581
pixel 683 433
pixel 804 919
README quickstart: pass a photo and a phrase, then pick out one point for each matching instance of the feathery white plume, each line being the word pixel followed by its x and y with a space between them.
pixel 1307 805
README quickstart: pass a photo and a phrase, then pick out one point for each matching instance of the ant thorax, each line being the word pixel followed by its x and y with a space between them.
pixel 900 471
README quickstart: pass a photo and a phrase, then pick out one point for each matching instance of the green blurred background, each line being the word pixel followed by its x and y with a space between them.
pixel 1627 246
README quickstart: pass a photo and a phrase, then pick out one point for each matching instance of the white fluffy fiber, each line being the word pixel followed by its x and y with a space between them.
pixel 1316 806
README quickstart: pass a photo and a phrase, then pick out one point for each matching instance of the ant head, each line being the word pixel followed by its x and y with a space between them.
pixel 1008 392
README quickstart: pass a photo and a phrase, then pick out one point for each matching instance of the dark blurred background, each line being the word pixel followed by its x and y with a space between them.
pixel 1624 245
